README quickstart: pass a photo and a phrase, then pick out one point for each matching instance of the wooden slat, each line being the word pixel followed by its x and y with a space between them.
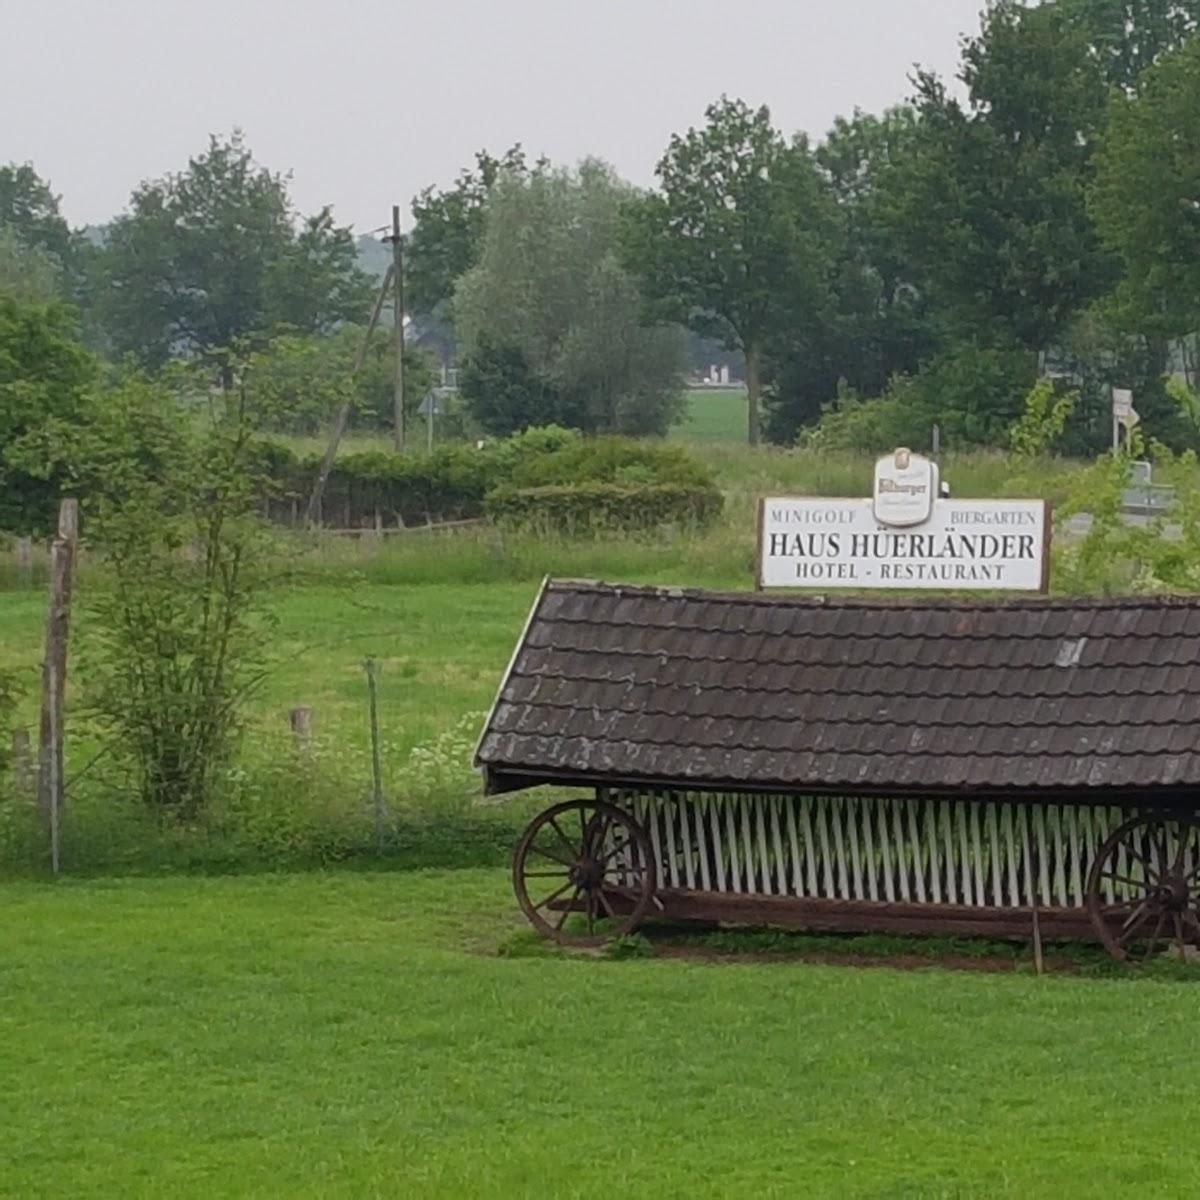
pixel 821 806
pixel 839 811
pixel 731 844
pixel 810 846
pixel 714 816
pixel 746 833
pixel 781 863
pixel 790 806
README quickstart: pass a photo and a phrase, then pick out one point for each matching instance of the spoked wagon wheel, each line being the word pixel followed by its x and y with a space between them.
pixel 1142 890
pixel 585 857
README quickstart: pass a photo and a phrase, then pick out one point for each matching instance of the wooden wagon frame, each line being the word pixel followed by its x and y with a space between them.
pixel 929 766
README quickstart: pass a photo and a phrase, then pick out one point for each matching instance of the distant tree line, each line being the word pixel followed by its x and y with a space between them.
pixel 927 265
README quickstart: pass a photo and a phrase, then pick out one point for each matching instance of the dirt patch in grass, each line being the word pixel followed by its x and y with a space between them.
pixel 994 964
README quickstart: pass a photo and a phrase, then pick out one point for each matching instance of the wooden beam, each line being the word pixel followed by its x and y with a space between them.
pixel 54 674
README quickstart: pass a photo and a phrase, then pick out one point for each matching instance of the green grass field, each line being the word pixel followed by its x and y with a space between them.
pixel 357 1035
pixel 715 416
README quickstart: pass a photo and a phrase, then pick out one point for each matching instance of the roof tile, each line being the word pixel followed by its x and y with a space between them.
pixel 656 686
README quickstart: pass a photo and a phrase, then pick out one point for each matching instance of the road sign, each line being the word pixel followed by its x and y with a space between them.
pixel 1122 407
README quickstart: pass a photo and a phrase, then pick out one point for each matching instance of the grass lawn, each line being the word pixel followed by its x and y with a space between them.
pixel 715 416
pixel 357 1035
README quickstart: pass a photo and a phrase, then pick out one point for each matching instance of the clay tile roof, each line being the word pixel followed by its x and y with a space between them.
pixel 662 687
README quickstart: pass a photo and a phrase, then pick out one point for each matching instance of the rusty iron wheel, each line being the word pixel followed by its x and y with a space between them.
pixel 584 857
pixel 1143 889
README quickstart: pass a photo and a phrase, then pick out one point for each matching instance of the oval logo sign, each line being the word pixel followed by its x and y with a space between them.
pixel 905 486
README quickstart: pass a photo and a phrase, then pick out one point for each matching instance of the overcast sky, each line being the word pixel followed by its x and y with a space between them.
pixel 367 101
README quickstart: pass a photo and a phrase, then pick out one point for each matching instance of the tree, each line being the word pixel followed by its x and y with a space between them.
pixel 212 257
pixel 549 301
pixel 27 273
pixel 988 203
pixel 297 381
pixel 174 644
pixel 877 324
pixel 448 230
pixel 45 381
pixel 741 237
pixel 1146 198
pixel 1130 36
pixel 28 206
pixel 504 394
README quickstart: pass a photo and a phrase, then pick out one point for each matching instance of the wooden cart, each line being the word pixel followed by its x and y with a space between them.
pixel 929 766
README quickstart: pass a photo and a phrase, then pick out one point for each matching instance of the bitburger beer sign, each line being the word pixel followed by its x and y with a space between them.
pixel 906 537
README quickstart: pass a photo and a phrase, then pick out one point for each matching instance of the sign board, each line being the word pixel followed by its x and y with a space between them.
pixel 1122 407
pixel 905 487
pixel 430 407
pixel 966 545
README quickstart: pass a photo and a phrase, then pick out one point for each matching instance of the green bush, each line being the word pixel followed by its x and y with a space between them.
pixel 8 704
pixel 974 393
pixel 588 508
pixel 455 481
pixel 447 485
pixel 616 460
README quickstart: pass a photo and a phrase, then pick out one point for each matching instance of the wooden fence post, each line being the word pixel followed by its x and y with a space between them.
pixel 300 720
pixel 54 673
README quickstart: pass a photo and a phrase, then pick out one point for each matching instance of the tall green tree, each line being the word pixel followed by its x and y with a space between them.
pixel 27 272
pixel 45 383
pixel 1130 36
pixel 447 235
pixel 739 239
pixel 1146 198
pixel 549 297
pixel 877 324
pixel 29 207
pixel 216 256
pixel 988 206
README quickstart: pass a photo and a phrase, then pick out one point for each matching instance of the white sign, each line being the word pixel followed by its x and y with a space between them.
pixel 905 487
pixel 1122 406
pixel 966 545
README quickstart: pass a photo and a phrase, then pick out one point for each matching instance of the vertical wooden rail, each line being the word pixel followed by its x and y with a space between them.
pixel 54 674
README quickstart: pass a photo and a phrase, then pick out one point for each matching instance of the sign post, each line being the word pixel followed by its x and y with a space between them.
pixel 1123 413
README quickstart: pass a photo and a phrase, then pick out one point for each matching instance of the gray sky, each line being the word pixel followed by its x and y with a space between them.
pixel 367 101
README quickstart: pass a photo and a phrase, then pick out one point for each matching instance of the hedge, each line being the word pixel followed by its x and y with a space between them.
pixel 549 478
pixel 585 508
pixel 447 485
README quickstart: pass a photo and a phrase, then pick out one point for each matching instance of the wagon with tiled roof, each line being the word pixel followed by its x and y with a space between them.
pixel 931 766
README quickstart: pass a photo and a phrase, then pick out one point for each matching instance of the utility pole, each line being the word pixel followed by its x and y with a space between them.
pixel 343 413
pixel 398 286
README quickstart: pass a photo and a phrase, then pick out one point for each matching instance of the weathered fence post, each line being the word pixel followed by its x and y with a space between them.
pixel 372 669
pixel 54 673
pixel 300 720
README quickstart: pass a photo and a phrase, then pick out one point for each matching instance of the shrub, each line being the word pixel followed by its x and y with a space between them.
pixel 175 643
pixel 454 481
pixel 974 393
pixel 589 508
pixel 611 460
pixel 448 484
pixel 8 704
